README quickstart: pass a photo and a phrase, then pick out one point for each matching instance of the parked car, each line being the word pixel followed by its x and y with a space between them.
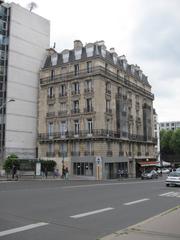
pixel 178 169
pixel 149 174
pixel 163 170
pixel 173 179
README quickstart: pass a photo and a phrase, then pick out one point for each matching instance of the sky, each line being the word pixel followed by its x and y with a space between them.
pixel 147 32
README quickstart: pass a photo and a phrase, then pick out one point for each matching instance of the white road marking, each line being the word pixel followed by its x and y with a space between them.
pixel 91 213
pixel 166 194
pixel 137 201
pixel 21 229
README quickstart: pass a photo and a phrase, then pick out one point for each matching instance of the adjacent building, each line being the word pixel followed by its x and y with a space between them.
pixel 24 37
pixel 95 112
pixel 169 125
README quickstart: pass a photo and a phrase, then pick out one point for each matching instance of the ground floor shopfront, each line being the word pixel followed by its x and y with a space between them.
pixel 101 167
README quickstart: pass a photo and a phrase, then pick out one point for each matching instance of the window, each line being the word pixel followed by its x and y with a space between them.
pixel 62 90
pixel 108 105
pixel 76 69
pixel 75 88
pixel 50 148
pixel 63 107
pixel 76 126
pixel 63 149
pixel 89 125
pixel 50 128
pixel 89 104
pixel 108 87
pixel 52 74
pixel 89 67
pixel 76 106
pixel 63 127
pixel 50 92
pixel 88 84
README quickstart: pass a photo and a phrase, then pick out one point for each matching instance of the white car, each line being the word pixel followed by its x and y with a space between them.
pixel 173 179
pixel 178 169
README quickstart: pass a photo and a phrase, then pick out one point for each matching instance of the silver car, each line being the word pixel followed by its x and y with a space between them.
pixel 173 179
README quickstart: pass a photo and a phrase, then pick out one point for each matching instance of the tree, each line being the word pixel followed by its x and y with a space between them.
pixel 10 161
pixel 175 141
pixel 48 164
pixel 165 141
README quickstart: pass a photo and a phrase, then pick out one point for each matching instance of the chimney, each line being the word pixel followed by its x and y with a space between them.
pixel 77 44
pixel 112 50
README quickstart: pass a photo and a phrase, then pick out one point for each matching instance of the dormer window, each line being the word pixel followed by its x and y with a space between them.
pixel 65 56
pixel 103 51
pixel 78 53
pixel 54 58
pixel 89 50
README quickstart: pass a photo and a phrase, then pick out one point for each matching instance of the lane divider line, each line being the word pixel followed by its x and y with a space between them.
pixel 166 194
pixel 91 213
pixel 21 229
pixel 137 201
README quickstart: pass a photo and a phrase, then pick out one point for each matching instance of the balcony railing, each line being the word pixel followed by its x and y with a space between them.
pixel 95 71
pixel 88 90
pixel 95 133
pixel 89 153
pixel 62 154
pixel 50 154
pixel 77 153
pixel 88 110
pixel 50 114
pixel 75 111
pixel 109 111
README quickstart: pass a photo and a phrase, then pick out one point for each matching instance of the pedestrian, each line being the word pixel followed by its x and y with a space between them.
pixel 66 173
pixel 14 172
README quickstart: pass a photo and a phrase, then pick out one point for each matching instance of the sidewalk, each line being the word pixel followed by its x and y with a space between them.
pixel 161 227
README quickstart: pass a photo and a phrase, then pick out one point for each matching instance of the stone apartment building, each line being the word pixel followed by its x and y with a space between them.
pixel 95 112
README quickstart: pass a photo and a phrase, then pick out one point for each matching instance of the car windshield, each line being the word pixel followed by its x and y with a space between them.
pixel 174 174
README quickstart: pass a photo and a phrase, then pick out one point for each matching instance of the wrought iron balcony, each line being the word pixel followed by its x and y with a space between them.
pixel 94 134
pixel 50 154
pixel 75 111
pixel 88 109
pixel 75 153
pixel 88 90
pixel 89 153
pixel 50 114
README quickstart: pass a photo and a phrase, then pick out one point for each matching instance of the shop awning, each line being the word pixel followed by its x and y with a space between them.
pixel 148 163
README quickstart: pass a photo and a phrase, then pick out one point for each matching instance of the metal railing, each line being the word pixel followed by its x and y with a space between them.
pixel 95 133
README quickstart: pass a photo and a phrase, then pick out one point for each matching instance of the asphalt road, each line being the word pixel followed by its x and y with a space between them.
pixel 79 210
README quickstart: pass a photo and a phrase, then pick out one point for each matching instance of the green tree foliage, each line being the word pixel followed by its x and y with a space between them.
pixel 10 161
pixel 165 141
pixel 175 141
pixel 48 164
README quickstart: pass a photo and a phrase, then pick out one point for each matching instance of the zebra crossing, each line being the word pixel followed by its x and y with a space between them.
pixel 170 194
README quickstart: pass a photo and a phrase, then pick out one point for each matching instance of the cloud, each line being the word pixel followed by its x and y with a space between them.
pixel 155 47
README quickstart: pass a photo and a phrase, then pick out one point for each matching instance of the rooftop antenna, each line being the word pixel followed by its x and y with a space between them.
pixel 31 6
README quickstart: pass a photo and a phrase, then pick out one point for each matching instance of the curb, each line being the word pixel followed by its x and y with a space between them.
pixel 135 227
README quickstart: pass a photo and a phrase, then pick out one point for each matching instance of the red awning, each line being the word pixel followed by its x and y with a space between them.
pixel 148 163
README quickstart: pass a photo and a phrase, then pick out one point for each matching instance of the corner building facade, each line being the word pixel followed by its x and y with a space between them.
pixel 95 112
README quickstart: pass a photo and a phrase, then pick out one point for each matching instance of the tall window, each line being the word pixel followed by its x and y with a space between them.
pixel 62 90
pixel 89 67
pixel 108 104
pixel 75 88
pixel 89 104
pixel 63 149
pixel 89 125
pixel 76 126
pixel 89 147
pixel 88 84
pixel 63 107
pixel 50 92
pixel 63 128
pixel 108 87
pixel 76 106
pixel 50 128
pixel 50 148
pixel 76 69
pixel 52 74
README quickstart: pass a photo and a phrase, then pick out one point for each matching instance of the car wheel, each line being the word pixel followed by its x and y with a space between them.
pixel 167 184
